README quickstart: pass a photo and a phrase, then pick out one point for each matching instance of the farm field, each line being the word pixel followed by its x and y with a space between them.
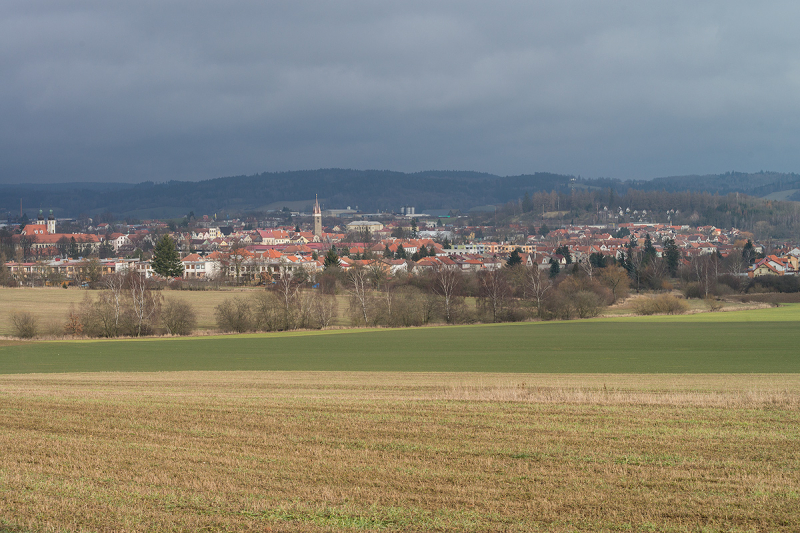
pixel 754 341
pixel 305 451
pixel 661 423
pixel 50 305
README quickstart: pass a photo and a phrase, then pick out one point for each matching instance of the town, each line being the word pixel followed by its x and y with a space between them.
pixel 248 251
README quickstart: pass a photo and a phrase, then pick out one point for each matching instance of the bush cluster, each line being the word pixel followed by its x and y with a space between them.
pixel 663 304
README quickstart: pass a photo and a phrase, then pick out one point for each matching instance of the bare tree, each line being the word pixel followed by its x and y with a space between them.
pixel 446 283
pixel 287 289
pixel 267 311
pixel 102 318
pixel 616 279
pixel 538 283
pixel 178 317
pixel 494 291
pixel 233 314
pixel 735 262
pixel 237 255
pixel 358 287
pixel 706 269
pixel 115 284
pixel 382 282
pixel 24 324
pixel 324 309
pixel 145 303
pixel 587 266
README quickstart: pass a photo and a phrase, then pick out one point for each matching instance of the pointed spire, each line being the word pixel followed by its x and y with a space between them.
pixel 317 210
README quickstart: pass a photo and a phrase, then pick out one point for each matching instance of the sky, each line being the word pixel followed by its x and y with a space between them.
pixel 142 90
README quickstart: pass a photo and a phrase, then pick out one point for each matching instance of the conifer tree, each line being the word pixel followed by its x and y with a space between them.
pixel 331 258
pixel 514 259
pixel 166 259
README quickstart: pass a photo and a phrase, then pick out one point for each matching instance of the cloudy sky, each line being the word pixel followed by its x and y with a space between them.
pixel 159 90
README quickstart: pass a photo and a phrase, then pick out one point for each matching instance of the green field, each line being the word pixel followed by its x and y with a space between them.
pixel 755 341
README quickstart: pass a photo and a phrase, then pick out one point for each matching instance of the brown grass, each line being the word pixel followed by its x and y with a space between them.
pixel 50 305
pixel 368 451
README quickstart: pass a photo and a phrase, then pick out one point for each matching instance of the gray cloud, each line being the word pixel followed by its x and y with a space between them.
pixel 194 90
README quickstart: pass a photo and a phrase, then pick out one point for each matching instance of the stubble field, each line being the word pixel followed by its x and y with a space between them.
pixel 689 423
pixel 305 451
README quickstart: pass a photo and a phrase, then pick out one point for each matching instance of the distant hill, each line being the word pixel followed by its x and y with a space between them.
pixel 758 184
pixel 370 190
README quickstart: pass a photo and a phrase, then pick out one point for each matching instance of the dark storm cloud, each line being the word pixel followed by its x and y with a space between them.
pixel 191 90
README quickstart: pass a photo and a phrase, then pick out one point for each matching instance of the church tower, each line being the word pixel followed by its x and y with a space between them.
pixel 317 220
pixel 51 223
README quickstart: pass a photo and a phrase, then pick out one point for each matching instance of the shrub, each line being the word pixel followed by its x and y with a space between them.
pixel 693 290
pixel 74 325
pixel 732 281
pixel 268 314
pixel 178 317
pixel 587 304
pixel 233 314
pixel 560 306
pixel 24 323
pixel 663 304
pixel 713 305
pixel 773 284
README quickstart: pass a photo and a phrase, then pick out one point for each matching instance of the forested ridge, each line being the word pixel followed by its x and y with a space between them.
pixel 383 190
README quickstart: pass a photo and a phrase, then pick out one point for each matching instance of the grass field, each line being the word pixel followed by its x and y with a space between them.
pixel 50 305
pixel 760 341
pixel 398 452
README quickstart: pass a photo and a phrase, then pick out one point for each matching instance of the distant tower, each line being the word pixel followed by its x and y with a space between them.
pixel 40 219
pixel 317 220
pixel 51 223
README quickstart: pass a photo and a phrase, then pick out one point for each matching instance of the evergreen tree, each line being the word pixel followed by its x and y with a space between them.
pixel 563 250
pixel 414 230
pixel 748 252
pixel 73 250
pixel 649 250
pixel 106 250
pixel 514 259
pixel 527 203
pixel 166 259
pixel 401 253
pixel 672 256
pixel 554 268
pixel 597 260
pixel 5 274
pixel 387 253
pixel 331 258
pixel 544 230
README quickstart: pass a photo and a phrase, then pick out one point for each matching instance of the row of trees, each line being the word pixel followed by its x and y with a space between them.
pixel 129 306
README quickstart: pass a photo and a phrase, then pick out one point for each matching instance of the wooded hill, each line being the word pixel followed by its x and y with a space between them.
pixel 370 190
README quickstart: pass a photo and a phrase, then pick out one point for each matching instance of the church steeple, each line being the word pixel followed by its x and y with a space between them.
pixel 317 219
pixel 51 223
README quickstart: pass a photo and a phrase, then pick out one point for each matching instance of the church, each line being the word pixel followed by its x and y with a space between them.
pixel 43 239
